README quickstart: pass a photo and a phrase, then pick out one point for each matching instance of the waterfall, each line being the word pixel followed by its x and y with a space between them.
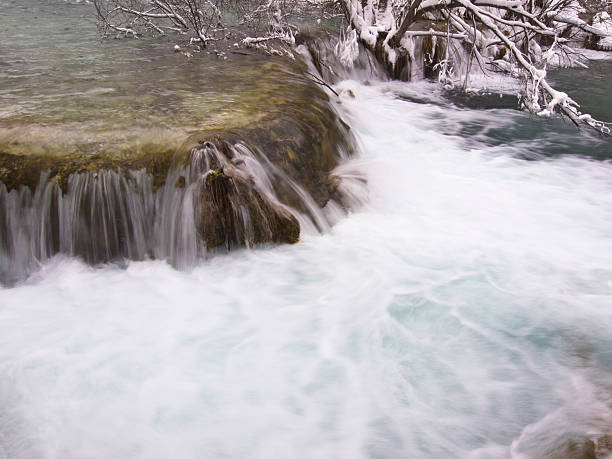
pixel 225 196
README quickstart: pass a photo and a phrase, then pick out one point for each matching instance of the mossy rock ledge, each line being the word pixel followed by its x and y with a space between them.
pixel 247 174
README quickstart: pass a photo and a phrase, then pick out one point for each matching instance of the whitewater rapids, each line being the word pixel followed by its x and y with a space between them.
pixel 464 311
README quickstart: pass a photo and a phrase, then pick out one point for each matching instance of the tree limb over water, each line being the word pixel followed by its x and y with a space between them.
pixel 520 37
pixel 204 21
pixel 453 38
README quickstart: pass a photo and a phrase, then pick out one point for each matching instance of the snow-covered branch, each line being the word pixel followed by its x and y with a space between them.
pixel 203 21
pixel 518 36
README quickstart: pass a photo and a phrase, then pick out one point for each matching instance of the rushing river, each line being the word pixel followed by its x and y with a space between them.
pixel 464 311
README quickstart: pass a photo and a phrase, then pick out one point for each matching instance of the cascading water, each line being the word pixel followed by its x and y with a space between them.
pixel 226 196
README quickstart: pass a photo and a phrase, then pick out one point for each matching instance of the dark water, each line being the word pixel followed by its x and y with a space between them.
pixel 496 120
pixel 592 89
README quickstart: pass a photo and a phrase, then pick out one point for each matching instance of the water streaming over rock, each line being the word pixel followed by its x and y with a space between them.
pixel 226 196
pixel 99 162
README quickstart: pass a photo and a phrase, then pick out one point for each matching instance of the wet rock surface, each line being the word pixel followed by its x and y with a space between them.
pixel 246 182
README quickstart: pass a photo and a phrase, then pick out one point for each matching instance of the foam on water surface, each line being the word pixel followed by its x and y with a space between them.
pixel 463 312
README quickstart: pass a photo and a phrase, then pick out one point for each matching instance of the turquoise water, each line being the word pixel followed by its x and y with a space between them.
pixel 63 89
pixel 56 68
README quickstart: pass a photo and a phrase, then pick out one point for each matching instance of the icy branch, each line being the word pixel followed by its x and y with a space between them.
pixel 516 36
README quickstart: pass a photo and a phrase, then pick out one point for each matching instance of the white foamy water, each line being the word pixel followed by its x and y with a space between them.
pixel 464 312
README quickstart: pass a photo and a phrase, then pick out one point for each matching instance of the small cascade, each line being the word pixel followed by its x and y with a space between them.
pixel 226 195
pixel 425 57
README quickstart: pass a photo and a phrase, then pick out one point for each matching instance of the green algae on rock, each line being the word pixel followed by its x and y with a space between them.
pixel 253 171
pixel 121 149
